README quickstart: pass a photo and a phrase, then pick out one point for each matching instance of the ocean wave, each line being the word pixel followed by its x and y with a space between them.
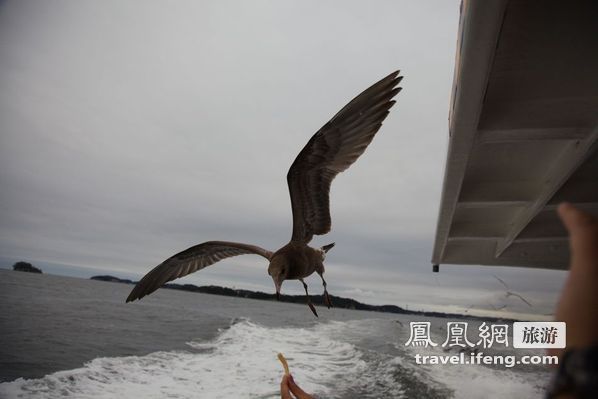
pixel 239 363
pixel 477 381
pixel 348 359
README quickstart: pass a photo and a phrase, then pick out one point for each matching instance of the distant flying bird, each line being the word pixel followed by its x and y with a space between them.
pixel 330 151
pixel 509 293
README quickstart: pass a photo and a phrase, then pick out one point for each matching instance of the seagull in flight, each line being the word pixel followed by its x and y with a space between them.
pixel 330 151
pixel 509 293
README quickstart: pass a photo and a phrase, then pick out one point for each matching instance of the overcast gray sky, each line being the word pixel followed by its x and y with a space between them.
pixel 133 130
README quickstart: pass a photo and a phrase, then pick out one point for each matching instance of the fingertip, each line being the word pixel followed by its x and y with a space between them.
pixel 563 207
pixel 569 215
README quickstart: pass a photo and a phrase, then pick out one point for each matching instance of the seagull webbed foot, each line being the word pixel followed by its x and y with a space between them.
pixel 311 305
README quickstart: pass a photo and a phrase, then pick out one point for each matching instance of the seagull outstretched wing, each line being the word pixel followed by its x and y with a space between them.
pixel 332 150
pixel 190 261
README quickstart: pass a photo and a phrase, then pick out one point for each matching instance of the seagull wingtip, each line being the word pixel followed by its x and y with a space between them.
pixel 396 74
pixel 132 297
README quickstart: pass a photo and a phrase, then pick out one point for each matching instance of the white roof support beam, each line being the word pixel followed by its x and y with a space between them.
pixel 491 204
pixel 480 28
pixel 534 240
pixel 519 135
pixel 586 207
pixel 571 158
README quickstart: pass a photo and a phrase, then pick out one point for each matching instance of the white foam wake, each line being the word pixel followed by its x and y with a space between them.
pixel 239 363
pixel 479 381
pixel 330 360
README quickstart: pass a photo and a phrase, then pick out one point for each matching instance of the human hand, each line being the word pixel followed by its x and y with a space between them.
pixel 578 304
pixel 288 386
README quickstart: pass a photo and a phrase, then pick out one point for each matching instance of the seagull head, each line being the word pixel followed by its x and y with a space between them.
pixel 278 270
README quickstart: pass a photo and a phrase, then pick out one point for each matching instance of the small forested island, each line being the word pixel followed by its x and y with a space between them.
pixel 318 300
pixel 339 302
pixel 25 267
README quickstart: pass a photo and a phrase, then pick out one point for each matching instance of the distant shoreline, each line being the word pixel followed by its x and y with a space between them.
pixel 318 300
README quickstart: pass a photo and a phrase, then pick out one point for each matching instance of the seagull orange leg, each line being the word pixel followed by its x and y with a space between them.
pixel 326 296
pixel 311 305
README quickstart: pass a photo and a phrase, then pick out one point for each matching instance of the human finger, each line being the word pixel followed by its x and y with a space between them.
pixel 300 393
pixel 582 228
pixel 284 388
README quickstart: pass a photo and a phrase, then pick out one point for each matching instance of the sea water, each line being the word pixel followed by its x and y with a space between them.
pixel 63 337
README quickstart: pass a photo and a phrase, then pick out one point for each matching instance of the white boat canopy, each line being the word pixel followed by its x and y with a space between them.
pixel 523 132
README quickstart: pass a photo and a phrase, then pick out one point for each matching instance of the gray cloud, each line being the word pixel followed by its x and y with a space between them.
pixel 132 130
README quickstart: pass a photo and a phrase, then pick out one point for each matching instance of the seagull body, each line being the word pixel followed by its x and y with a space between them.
pixel 334 148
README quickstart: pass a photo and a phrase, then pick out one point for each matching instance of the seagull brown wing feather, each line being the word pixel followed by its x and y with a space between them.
pixel 190 261
pixel 332 150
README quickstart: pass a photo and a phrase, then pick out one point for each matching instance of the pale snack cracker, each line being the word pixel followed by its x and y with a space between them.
pixel 284 364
